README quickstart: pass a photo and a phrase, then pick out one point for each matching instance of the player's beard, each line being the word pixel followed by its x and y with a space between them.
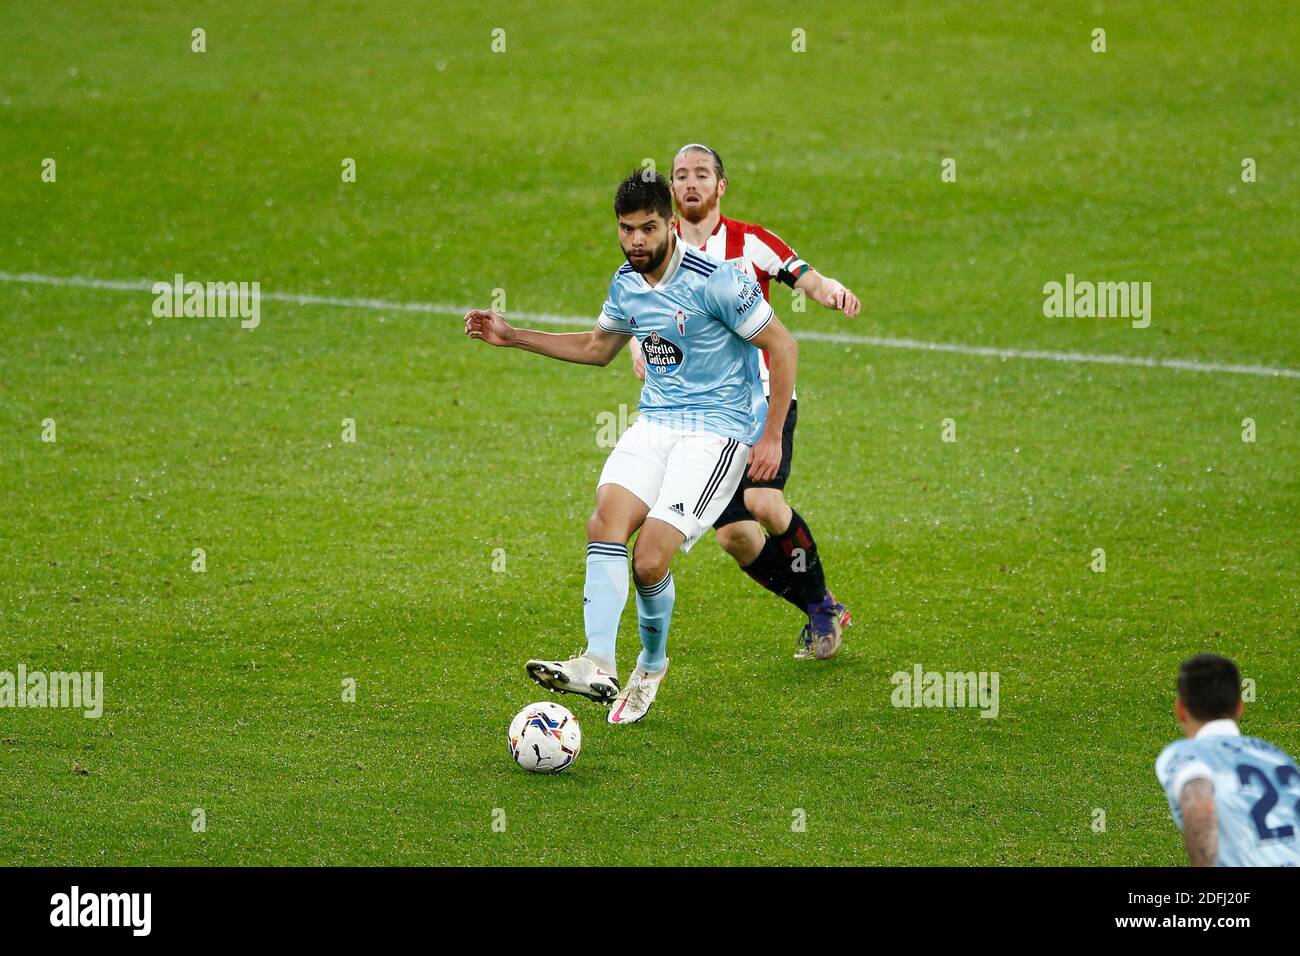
pixel 702 211
pixel 657 257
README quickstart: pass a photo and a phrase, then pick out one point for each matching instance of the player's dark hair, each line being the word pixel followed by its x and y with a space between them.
pixel 1209 687
pixel 717 158
pixel 642 191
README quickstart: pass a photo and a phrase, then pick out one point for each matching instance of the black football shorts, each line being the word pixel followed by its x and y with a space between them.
pixel 736 510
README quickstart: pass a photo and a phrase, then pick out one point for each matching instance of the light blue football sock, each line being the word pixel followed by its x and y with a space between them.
pixel 654 610
pixel 603 597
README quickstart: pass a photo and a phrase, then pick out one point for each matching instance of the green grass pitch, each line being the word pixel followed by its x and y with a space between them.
pixel 373 561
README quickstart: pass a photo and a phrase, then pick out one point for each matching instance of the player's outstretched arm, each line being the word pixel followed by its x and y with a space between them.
pixel 597 347
pixel 782 360
pixel 1200 825
pixel 828 292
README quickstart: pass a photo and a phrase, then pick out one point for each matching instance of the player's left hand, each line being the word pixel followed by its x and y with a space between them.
pixel 764 459
pixel 838 297
pixel 638 358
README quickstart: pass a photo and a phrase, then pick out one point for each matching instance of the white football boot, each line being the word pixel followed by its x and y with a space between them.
pixel 634 701
pixel 581 675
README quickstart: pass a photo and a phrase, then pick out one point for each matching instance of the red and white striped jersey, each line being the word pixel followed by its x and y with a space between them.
pixel 759 252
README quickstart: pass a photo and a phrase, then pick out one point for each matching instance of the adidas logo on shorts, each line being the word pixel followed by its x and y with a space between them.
pixel 680 509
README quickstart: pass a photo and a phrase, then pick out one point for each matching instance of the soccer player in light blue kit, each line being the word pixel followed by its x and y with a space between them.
pixel 1236 799
pixel 703 416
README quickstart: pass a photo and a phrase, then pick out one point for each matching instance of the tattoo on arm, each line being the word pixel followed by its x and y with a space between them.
pixel 1200 825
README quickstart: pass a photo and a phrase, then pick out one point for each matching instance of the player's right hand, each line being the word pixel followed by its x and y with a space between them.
pixel 486 325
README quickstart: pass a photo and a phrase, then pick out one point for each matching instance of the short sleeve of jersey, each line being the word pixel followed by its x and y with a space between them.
pixel 1177 766
pixel 612 318
pixel 769 254
pixel 736 299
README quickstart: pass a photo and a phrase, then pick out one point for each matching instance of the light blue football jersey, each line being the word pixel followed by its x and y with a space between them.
pixel 1256 793
pixel 702 372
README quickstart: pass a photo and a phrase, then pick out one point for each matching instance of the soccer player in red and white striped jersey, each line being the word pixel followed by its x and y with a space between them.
pixel 785 559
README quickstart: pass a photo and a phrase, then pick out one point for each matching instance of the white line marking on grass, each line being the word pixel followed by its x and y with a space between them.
pixel 845 338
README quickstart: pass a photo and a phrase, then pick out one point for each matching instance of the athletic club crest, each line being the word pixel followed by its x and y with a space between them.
pixel 681 321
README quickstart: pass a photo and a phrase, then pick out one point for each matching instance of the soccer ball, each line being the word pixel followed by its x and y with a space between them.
pixel 545 737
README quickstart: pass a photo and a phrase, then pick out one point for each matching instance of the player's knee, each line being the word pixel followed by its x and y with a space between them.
pixel 771 511
pixel 741 540
pixel 649 568
pixel 729 539
pixel 600 528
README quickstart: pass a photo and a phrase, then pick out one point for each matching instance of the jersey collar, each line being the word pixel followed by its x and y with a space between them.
pixel 1223 727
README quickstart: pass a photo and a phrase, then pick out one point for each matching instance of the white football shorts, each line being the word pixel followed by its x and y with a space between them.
pixel 686 477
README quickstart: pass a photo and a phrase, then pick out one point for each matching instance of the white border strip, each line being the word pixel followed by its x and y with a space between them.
pixel 1182 365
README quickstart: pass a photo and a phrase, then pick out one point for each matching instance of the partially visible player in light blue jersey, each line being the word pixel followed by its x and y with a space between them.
pixel 1235 798
pixel 694 327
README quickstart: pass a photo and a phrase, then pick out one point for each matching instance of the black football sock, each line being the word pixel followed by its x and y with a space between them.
pixel 771 569
pixel 804 571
